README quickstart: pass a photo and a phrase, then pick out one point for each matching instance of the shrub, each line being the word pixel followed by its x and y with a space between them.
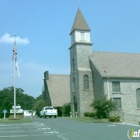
pixel 103 107
pixel 114 118
pixel 92 114
pixel 86 114
pixel 66 109
pixel 89 114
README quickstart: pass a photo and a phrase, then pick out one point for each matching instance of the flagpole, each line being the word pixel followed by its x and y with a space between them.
pixel 14 57
pixel 14 87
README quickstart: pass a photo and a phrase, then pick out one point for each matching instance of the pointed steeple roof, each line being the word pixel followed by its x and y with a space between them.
pixel 80 22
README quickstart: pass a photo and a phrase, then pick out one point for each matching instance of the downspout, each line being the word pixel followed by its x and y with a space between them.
pixel 108 88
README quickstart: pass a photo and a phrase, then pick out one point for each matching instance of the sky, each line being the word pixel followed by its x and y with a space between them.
pixel 42 30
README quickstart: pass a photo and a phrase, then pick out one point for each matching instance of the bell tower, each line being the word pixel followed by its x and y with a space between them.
pixel 80 75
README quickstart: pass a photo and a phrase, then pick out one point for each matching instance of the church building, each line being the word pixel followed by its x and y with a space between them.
pixel 93 74
pixel 56 90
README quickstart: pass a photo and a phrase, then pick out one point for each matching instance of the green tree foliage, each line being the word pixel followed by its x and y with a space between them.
pixel 39 104
pixel 39 97
pixel 66 109
pixel 103 107
pixel 7 99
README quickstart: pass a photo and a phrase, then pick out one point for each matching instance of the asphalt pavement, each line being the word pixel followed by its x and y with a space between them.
pixel 65 129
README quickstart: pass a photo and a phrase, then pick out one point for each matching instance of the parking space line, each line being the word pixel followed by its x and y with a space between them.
pixel 11 136
pixel 111 125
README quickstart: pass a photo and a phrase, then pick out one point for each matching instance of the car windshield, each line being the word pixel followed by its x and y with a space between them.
pixel 50 108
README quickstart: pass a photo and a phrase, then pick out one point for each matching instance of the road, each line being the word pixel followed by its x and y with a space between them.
pixel 63 129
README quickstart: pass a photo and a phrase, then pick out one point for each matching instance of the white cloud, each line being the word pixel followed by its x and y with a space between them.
pixel 7 38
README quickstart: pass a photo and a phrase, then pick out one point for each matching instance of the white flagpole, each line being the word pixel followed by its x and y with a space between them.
pixel 14 87
pixel 14 57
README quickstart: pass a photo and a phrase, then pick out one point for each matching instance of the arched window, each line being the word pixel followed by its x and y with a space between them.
pixel 73 64
pixel 86 81
pixel 138 97
pixel 74 84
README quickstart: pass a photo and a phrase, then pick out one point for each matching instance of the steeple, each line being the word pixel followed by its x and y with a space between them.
pixel 80 22
pixel 80 50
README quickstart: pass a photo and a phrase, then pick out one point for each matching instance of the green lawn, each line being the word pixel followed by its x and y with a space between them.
pixel 12 120
pixel 89 120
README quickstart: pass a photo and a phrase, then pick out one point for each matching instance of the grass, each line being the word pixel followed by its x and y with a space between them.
pixel 90 120
pixel 14 120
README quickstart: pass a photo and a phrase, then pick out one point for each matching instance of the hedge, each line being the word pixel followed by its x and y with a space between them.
pixel 114 118
pixel 89 114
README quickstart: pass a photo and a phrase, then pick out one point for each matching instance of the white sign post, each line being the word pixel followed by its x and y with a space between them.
pixel 4 111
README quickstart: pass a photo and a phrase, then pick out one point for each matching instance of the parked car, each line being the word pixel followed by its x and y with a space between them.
pixel 29 113
pixel 48 111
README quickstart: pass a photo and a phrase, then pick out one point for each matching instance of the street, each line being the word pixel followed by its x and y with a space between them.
pixel 63 129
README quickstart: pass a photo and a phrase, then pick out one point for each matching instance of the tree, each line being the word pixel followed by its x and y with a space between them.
pixel 103 107
pixel 7 99
pixel 66 109
pixel 39 104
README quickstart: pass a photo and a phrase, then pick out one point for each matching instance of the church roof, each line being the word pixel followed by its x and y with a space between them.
pixel 59 89
pixel 80 22
pixel 111 64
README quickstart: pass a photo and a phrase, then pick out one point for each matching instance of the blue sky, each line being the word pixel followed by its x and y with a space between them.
pixel 43 26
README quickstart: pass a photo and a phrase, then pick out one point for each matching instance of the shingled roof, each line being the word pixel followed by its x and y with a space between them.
pixel 111 64
pixel 59 89
pixel 80 22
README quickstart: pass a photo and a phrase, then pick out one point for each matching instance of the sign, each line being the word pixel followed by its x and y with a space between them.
pixel 18 107
pixel 17 110
pixel 4 111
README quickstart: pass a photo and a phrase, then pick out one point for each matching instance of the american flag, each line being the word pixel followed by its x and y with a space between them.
pixel 15 59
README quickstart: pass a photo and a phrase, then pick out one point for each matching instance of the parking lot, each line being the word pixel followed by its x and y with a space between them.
pixel 65 129
pixel 33 130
